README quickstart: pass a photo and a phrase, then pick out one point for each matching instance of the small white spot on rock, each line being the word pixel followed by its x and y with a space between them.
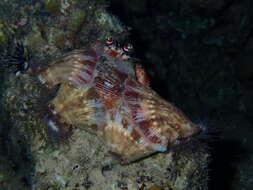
pixel 53 126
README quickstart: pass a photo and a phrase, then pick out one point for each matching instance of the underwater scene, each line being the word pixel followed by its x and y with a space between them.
pixel 126 95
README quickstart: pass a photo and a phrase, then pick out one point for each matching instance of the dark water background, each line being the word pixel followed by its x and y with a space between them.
pixel 199 55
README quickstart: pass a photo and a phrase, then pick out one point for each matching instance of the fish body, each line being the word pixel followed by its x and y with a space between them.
pixel 104 92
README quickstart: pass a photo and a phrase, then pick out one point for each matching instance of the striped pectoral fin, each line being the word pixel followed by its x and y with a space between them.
pixel 132 94
pixel 177 124
pixel 77 68
pixel 152 135
pixel 143 105
pixel 128 148
pixel 109 89
pixel 82 73
pixel 139 115
pixel 122 138
pixel 48 77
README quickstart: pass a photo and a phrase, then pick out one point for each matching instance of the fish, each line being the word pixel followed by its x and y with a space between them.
pixel 103 91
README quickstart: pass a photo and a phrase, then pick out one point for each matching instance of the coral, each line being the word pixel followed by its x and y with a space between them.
pixel 2 37
pixel 77 19
pixel 105 20
pixel 53 6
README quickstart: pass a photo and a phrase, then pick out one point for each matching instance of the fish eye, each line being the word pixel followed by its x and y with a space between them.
pixel 128 48
pixel 109 41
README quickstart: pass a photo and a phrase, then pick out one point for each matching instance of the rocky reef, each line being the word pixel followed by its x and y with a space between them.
pixel 29 158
